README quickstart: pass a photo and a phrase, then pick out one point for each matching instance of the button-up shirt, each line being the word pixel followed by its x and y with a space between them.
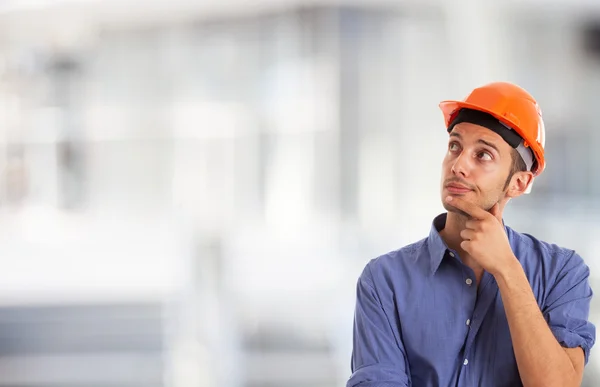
pixel 421 320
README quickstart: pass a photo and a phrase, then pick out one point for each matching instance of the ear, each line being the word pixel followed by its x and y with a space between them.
pixel 519 183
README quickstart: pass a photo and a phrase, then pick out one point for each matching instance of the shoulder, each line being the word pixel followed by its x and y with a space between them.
pixel 544 257
pixel 392 266
pixel 542 249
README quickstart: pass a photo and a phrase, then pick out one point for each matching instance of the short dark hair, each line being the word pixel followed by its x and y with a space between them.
pixel 517 165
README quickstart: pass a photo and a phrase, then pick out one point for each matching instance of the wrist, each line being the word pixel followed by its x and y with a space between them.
pixel 509 269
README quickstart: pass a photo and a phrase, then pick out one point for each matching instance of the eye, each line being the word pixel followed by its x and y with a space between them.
pixel 453 146
pixel 485 156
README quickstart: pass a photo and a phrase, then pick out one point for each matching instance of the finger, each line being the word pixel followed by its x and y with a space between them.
pixel 469 208
pixel 473 224
pixel 466 246
pixel 467 234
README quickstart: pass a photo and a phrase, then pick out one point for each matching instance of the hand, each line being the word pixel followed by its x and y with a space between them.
pixel 484 236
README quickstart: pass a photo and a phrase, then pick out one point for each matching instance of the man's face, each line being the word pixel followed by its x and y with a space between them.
pixel 476 166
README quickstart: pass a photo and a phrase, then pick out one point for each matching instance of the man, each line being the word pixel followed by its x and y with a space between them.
pixel 477 303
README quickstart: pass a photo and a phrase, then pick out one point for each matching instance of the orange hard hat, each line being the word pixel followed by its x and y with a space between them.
pixel 511 105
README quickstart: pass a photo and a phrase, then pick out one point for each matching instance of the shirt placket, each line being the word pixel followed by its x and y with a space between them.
pixel 486 294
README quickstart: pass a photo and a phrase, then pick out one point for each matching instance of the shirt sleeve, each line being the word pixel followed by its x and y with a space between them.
pixel 378 356
pixel 567 307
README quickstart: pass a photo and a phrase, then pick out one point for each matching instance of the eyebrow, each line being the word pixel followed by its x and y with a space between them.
pixel 491 145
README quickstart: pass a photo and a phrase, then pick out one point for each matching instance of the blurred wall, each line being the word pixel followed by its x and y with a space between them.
pixel 189 190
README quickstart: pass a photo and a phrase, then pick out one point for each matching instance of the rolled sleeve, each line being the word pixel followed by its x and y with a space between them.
pixel 378 358
pixel 568 306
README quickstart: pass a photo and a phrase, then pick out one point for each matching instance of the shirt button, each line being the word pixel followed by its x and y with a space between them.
pixel 468 321
pixel 451 254
pixel 469 281
pixel 466 362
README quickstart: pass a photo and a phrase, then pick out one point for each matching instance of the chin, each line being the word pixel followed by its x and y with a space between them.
pixel 449 208
pixel 465 196
pixel 454 210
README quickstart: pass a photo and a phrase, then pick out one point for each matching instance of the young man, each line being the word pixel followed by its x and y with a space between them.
pixel 477 303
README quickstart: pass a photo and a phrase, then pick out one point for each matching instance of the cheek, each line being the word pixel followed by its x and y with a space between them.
pixel 492 169
pixel 447 161
pixel 492 185
pixel 446 168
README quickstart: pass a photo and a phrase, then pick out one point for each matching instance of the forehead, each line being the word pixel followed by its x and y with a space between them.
pixel 469 132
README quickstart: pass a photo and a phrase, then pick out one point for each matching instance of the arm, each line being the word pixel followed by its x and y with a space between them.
pixel 538 339
pixel 378 357
pixel 541 359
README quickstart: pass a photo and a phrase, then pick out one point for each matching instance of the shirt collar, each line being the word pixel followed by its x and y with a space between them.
pixel 438 248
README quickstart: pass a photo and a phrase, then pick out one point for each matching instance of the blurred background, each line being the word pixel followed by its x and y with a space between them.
pixel 190 189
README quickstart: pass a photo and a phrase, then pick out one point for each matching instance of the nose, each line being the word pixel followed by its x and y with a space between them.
pixel 461 166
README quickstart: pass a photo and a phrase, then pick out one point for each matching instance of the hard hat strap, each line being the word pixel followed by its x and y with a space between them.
pixel 526 154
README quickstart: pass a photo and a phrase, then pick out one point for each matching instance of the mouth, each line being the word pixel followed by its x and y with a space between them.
pixel 457 188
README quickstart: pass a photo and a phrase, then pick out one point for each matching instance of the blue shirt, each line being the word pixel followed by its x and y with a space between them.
pixel 421 320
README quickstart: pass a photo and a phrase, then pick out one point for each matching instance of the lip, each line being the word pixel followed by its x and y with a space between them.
pixel 457 188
